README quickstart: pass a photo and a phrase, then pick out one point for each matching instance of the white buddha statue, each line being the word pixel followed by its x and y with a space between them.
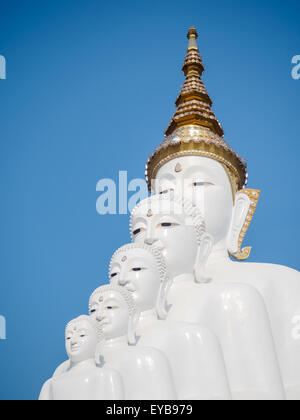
pixel 82 379
pixel 145 371
pixel 236 313
pixel 193 351
pixel 195 161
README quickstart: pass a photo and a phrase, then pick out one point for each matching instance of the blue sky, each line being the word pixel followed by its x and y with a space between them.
pixel 90 89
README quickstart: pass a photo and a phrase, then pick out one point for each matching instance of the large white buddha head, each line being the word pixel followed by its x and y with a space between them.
pixel 114 309
pixel 176 228
pixel 82 338
pixel 141 270
pixel 195 161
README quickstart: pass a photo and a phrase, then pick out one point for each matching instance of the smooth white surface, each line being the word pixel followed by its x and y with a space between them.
pixel 145 371
pixel 84 382
pixel 193 351
pixel 232 329
pixel 279 286
pixel 235 313
pixel 81 379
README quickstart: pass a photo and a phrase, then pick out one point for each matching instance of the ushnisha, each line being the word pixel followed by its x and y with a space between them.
pixel 236 313
pixel 195 161
pixel 82 379
pixel 145 371
pixel 193 351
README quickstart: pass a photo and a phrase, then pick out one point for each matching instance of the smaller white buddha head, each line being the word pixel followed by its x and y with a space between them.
pixel 141 269
pixel 115 311
pixel 175 227
pixel 82 338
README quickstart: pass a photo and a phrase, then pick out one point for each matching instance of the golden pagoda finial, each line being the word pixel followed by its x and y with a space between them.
pixel 193 103
pixel 194 128
pixel 192 37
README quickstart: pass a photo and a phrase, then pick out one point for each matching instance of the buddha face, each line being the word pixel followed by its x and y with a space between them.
pixel 205 182
pixel 136 270
pixel 111 311
pixel 81 341
pixel 169 231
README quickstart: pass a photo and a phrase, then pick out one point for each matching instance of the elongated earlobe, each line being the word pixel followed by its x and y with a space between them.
pixel 245 205
pixel 132 326
pixel 98 353
pixel 204 250
pixel 161 305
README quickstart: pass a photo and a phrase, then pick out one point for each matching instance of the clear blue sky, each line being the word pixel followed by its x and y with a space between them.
pixel 90 89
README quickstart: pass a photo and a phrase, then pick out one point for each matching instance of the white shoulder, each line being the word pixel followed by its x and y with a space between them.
pixel 152 355
pixel 276 270
pixel 61 369
pixel 46 393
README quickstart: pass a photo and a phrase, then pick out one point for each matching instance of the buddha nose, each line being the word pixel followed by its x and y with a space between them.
pixel 99 317
pixel 150 239
pixel 123 276
pixel 122 281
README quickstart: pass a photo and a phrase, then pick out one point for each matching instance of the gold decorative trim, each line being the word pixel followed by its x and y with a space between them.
pixel 244 254
pixel 197 148
pixel 232 180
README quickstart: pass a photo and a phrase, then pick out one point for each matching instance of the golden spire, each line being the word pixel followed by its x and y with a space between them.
pixel 193 103
pixel 194 129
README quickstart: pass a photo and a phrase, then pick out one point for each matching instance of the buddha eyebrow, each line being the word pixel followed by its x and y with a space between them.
pixel 111 303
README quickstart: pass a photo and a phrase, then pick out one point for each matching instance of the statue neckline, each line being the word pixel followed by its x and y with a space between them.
pixel 219 254
pixel 149 314
pixel 81 365
pixel 184 278
pixel 117 341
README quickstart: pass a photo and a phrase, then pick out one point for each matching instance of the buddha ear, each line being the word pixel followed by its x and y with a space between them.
pixel 132 326
pixel 244 208
pixel 99 360
pixel 162 298
pixel 203 252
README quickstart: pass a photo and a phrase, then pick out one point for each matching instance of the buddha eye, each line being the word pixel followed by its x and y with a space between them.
pixel 113 275
pixel 82 335
pixel 68 338
pixel 168 225
pixel 167 191
pixel 202 184
pixel 111 307
pixel 93 311
pixel 137 269
pixel 138 231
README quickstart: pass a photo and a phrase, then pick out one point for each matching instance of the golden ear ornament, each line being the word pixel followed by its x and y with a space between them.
pixel 244 254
